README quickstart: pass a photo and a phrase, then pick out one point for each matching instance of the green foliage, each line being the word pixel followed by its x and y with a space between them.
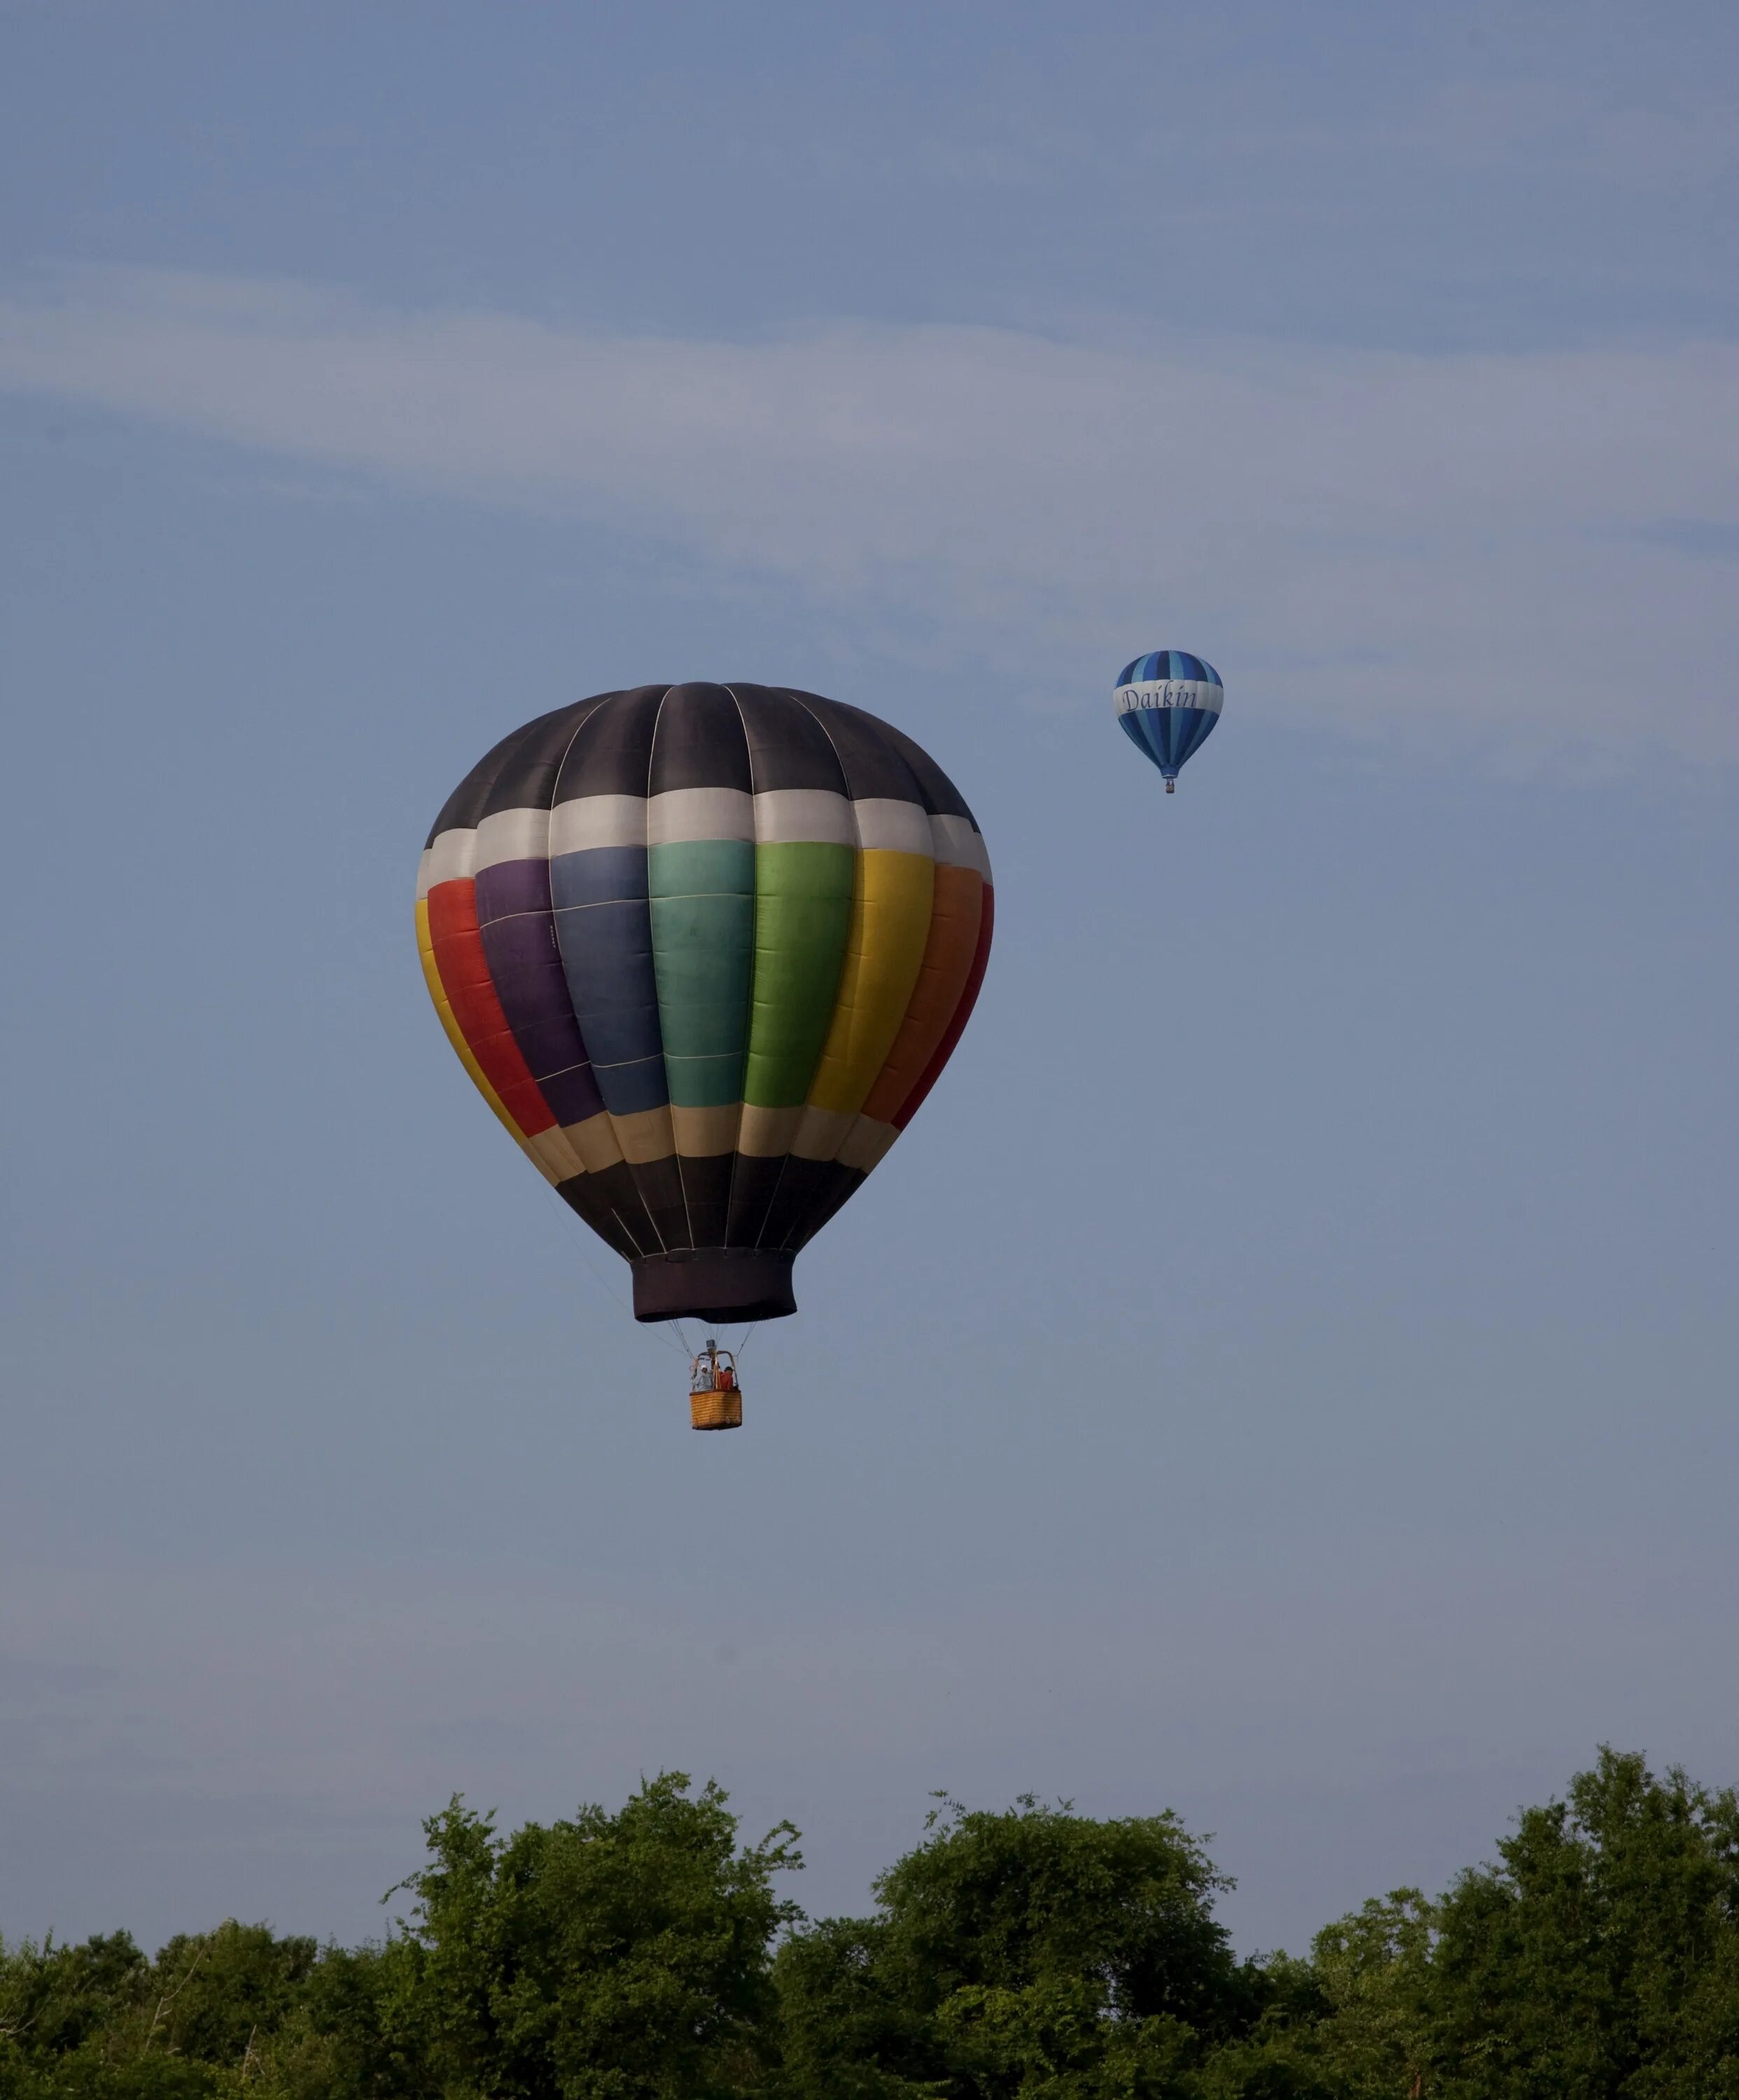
pixel 612 1957
pixel 53 2000
pixel 1373 1970
pixel 1026 1954
pixel 99 2020
pixel 1032 1952
pixel 1004 1901
pixel 848 2027
pixel 1601 1955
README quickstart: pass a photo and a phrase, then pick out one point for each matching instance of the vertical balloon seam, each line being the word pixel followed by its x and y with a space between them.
pixel 960 1010
pixel 871 951
pixel 483 783
pixel 886 946
pixel 583 712
pixel 583 716
pixel 901 915
pixel 710 1004
pixel 431 966
pixel 658 1159
pixel 784 1165
pixel 894 909
pixel 511 898
pixel 861 869
pixel 594 877
pixel 470 998
pixel 473 796
pixel 748 980
pixel 922 767
pixel 919 764
pixel 806 880
pixel 639 1152
pixel 883 968
pixel 947 966
pixel 471 992
pixel 926 1026
pixel 591 1188
pixel 805 839
pixel 449 1020
pixel 468 795
pixel 698 941
pixel 664 1051
pixel 456 1037
pixel 957 1027
pixel 803 848
pixel 466 977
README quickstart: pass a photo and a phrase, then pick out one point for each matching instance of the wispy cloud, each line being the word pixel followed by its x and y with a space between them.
pixel 1464 546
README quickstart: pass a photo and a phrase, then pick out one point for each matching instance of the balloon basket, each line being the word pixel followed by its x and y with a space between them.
pixel 716 1410
pixel 715 1399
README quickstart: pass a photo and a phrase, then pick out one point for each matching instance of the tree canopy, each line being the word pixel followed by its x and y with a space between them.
pixel 1027 1953
pixel 1031 1950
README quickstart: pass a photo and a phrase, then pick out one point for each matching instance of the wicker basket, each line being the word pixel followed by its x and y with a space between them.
pixel 716 1410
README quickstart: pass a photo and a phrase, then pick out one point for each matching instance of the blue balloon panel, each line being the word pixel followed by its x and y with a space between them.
pixel 1169 735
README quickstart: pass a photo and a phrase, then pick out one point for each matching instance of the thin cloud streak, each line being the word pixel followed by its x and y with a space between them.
pixel 1460 550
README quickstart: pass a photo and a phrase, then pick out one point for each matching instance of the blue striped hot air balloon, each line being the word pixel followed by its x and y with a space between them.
pixel 1169 702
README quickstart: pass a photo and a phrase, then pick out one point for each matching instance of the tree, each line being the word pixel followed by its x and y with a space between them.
pixel 98 2022
pixel 1373 2032
pixel 610 1957
pixel 1031 1952
pixel 1601 1957
pixel 55 2000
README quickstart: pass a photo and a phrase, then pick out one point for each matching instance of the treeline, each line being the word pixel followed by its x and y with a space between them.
pixel 648 1955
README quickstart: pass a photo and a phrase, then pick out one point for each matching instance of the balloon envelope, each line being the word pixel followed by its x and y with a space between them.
pixel 1169 702
pixel 704 950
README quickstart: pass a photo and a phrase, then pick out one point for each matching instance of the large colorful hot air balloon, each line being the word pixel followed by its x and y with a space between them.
pixel 704 950
pixel 1169 702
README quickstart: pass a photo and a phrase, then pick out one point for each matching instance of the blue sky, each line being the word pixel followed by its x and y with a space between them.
pixel 1286 1373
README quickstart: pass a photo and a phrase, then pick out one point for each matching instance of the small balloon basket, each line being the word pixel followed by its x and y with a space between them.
pixel 715 1399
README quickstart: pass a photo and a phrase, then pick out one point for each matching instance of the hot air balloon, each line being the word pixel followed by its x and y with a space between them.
pixel 1169 702
pixel 704 950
